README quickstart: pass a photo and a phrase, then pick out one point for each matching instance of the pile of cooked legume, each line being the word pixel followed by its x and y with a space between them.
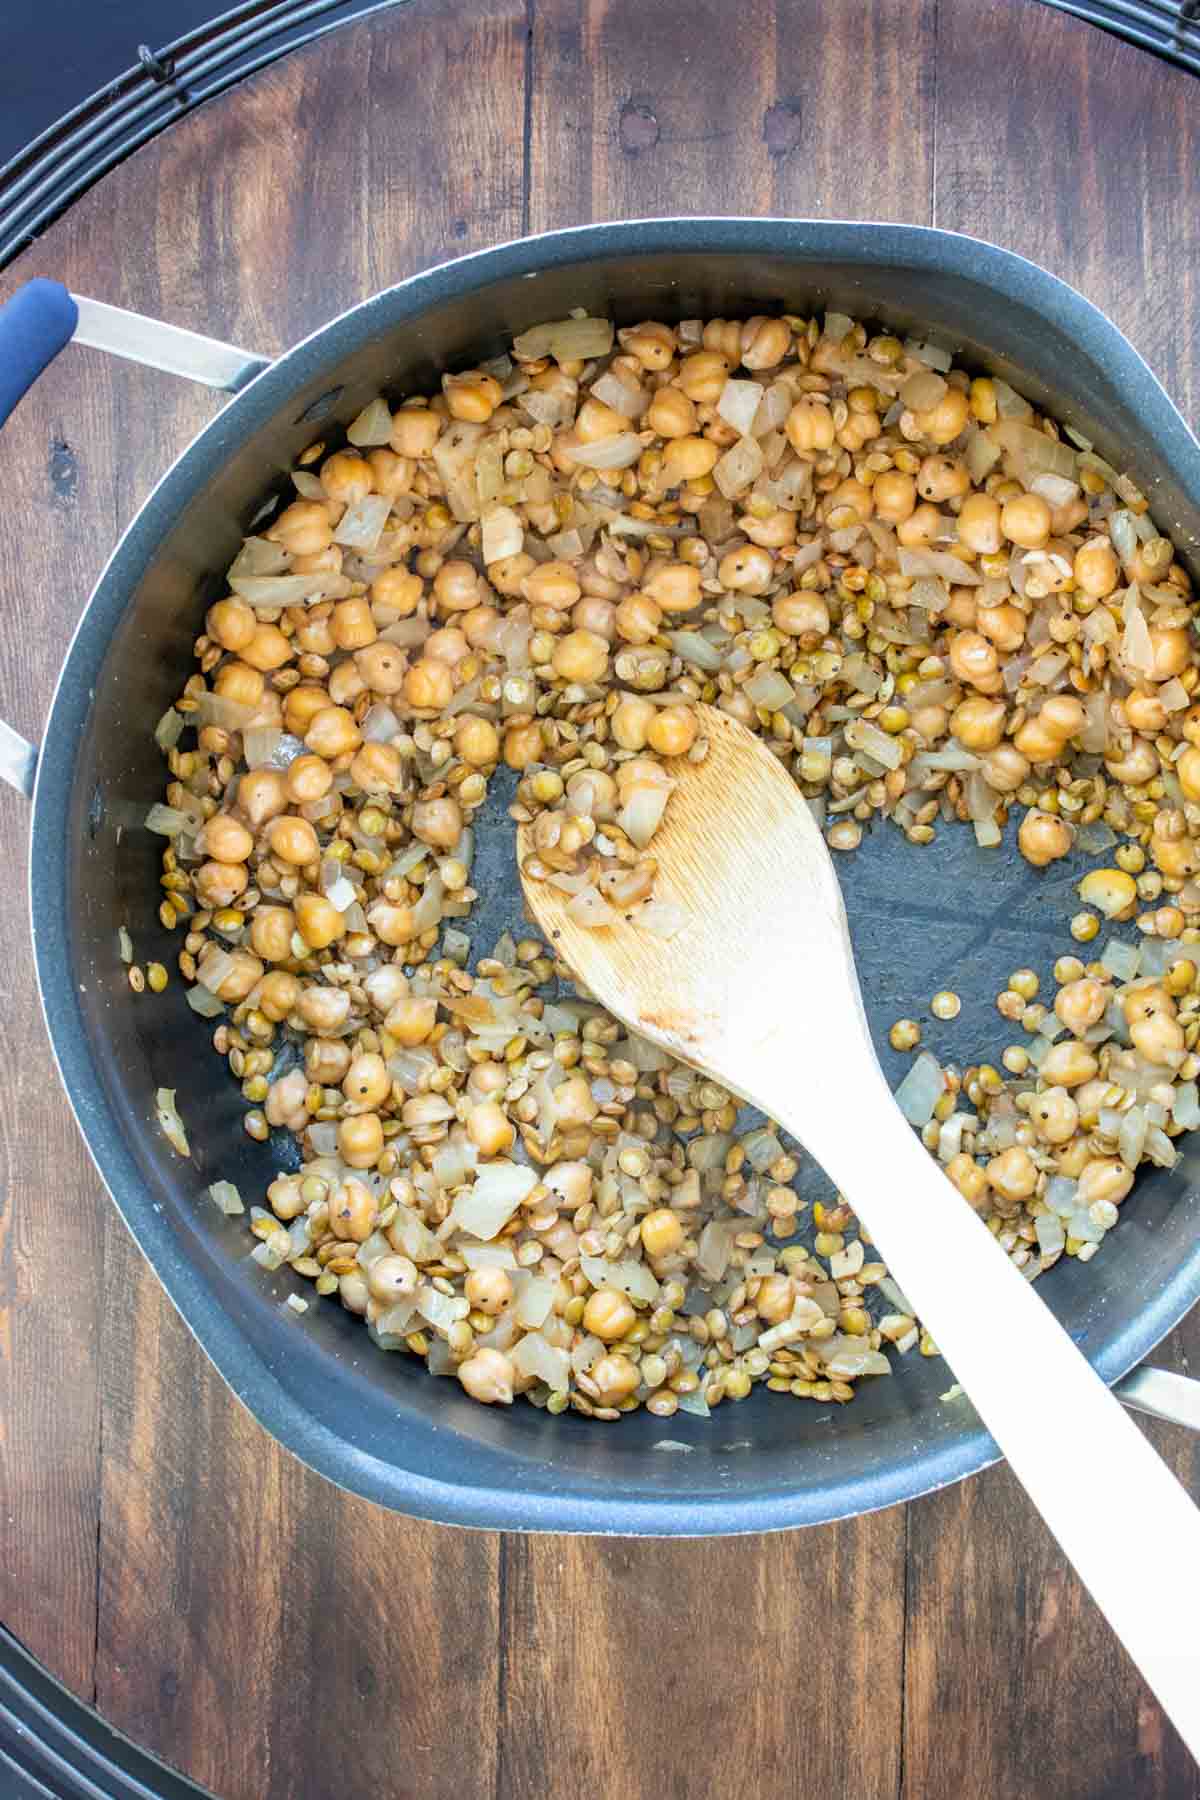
pixel 932 605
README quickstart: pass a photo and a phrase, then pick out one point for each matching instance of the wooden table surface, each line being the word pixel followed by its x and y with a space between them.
pixel 271 1636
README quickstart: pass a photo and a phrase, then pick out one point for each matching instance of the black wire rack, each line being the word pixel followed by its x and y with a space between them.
pixel 162 86
pixel 1171 28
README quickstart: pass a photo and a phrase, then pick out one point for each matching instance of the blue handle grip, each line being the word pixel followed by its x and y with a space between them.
pixel 34 326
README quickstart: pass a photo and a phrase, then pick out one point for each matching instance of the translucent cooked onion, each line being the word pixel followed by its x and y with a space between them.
pixel 486 1207
pixel 454 458
pixel 642 813
pixel 373 426
pixel 769 688
pixel 532 1356
pixel 361 525
pixel 169 1121
pixel 259 556
pixel 939 562
pixel 290 590
pixel 922 390
pixel 695 648
pixel 739 468
pixel 1137 649
pixel 219 710
pixel 169 729
pixel 225 1196
pixel 862 735
pixel 1055 490
pixel 625 396
pixel 921 1089
pixel 627 1275
pixel 566 340
pixel 616 452
pixel 739 403
pixel 169 821
pixel 203 1003
pixel 590 909
pixel 501 533
pixel 661 917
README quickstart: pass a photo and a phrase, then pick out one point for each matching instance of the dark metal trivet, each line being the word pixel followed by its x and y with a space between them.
pixel 1171 28
pixel 162 86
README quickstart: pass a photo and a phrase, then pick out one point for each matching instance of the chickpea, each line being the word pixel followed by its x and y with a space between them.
pixel 293 840
pixel 1081 1003
pixel 580 656
pixel 638 619
pixel 377 769
pixel 354 1292
pixel 1025 521
pixel 652 344
pixel 574 1103
pixel 1054 1115
pixel 241 979
pixel 345 684
pixel 353 627
pixel 747 570
pixel 449 645
pixel 1044 737
pixel 979 524
pixel 411 1019
pixel 324 1009
pixel 703 375
pixel 671 414
pixel 367 1081
pixel 415 430
pixel 687 459
pixel 809 426
pixel 921 527
pixel 597 616
pixel 218 884
pixel 352 1210
pixel 1158 1037
pixel 346 477
pixel 968 1178
pixel 672 731
pixel 615 1378
pixel 488 1375
pixel 332 732
pixel 287 1202
pixel 1145 711
pixel 631 722
pixel 392 1278
pixel 1012 1174
pixel 303 527
pixel 662 1232
pixel 429 685
pixel 489 1290
pixel 318 921
pixel 225 839
pixel 675 586
pixel 301 706
pixel 552 584
pixel 391 475
pixel 522 745
pixel 943 422
pixel 774 531
pixel 278 993
pixel 476 741
pixel 473 396
pixel 775 1299
pixel 849 496
pixel 1105 1178
pixel 398 589
pixel 765 342
pixel 1043 838
pixel 1005 769
pixel 1171 649
pixel 307 778
pixel 1068 1064
pixel 801 615
pixel 326 1060
pixel 609 1315
pixel 456 586
pixel 360 1140
pixel 238 681
pixel 271 929
pixel 1004 625
pixel 489 1129
pixel 231 623
pixel 942 478
pixel 486 1080
pixel 285 1102
pixel 973 659
pixel 895 496
pixel 978 722
pixel 438 823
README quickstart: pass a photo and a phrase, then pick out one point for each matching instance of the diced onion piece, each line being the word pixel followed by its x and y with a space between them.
pixel 361 525
pixel 486 1207
pixel 921 1089
pixel 738 404
pixel 205 1004
pixel 169 821
pixel 838 326
pixel 454 459
pixel 628 1276
pixel 625 396
pixel 932 354
pixel 590 909
pixel 642 813
pixel 939 562
pixel 501 533
pixel 169 729
pixel 1010 404
pixel 1055 490
pixel 534 1357
pixel 767 687
pixel 259 556
pixel 862 735
pixel 981 456
pixel 290 590
pixel 307 485
pixel 739 468
pixel 661 917
pixel 169 1121
pixel 695 648
pixel 616 452
pixel 534 1299
pixel 373 425
pixel 124 945
pixel 1124 536
pixel 566 340
pixel 224 1195
pixel 1137 649
pixel 438 1309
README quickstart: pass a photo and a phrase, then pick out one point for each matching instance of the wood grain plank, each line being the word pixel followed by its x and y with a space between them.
pixel 754 1665
pixel 1070 160
pixel 635 114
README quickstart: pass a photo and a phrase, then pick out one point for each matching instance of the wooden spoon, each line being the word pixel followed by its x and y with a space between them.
pixel 759 988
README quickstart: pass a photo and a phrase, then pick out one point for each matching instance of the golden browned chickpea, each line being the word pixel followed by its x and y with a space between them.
pixel 671 414
pixel 456 586
pixel 968 1178
pixel 489 1290
pixel 662 1232
pixel 552 584
pixel 963 608
pixel 231 623
pixel 1054 1115
pixel 241 978
pixel 765 342
pixel 580 656
pixel 801 615
pixel 489 1129
pixel 638 619
pixel 398 589
pixel 429 685
pixel 775 1299
pixel 595 421
pixel 1188 770
pixel 415 430
pixel 978 722
pixel 1044 737
pixel 318 921
pixel 688 459
pixel 238 681
pixel 353 627
pixel 1005 769
pixel 332 732
pixel 367 1082
pixel 473 396
pixel 895 496
pixel 307 778
pixel 1081 1003
pixel 261 795
pixel 631 721
pixel 381 667
pixel 330 558
pixel 973 659
pixel 293 840
pixel 488 1375
pixel 346 477
pixel 1171 649
pixel 849 502
pixel 377 769
pixel 325 1008
pixel 345 684
pixel 652 344
pixel 703 375
pixel 449 645
pixel 574 1102
pixel 523 745
pixel 360 1142
pixel 1025 521
pixel 479 626
pixel 285 1103
pixel 303 527
pixel 1145 711
pixel 942 478
pixel 1004 625
pixel 219 883
pixel 609 1315
pixel 1097 570
pixel 979 524
pixel 1068 1064
pixel 271 929
pixel 1136 765
pixel 809 426
pixel 391 475
pixel 1105 1178
pixel 392 925
pixel 352 1209
pixel 615 1378
pixel 929 722
pixel 596 615
pixel 301 706
pixel 438 823
pixel 411 1019
pixel 922 527
pixel 1012 1174
pixel 277 994
pixel 675 586
pixel 943 422
pixel 1043 838
pixel 225 839
pixel 672 730
pixel 774 531
pixel 476 741
pixel 1159 1038
pixel 746 570
pixel 392 1278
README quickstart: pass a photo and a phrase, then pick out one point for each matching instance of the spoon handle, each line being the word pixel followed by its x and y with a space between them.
pixel 1117 1511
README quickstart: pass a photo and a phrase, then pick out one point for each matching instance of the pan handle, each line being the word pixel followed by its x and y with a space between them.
pixel 38 321
pixel 1163 1394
